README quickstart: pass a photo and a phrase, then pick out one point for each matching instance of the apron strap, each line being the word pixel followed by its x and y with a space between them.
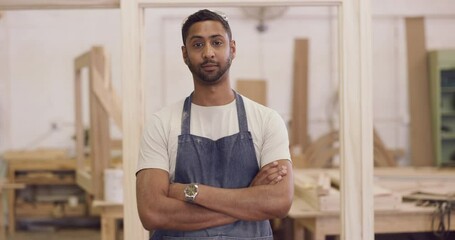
pixel 241 114
pixel 186 115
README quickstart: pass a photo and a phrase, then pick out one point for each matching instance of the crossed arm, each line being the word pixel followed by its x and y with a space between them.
pixel 161 205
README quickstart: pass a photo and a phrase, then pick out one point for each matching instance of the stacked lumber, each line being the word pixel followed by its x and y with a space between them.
pixel 317 191
pixel 321 191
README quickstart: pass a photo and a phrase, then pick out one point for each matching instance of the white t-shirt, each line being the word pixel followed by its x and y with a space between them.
pixel 160 138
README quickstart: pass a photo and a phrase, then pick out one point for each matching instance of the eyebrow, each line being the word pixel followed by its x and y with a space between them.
pixel 212 36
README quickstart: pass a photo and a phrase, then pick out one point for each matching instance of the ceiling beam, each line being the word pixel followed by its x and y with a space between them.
pixel 237 3
pixel 57 4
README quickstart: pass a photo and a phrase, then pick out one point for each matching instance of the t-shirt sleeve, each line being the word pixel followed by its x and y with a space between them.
pixel 276 140
pixel 153 149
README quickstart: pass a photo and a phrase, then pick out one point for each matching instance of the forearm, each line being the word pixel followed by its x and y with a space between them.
pixel 159 211
pixel 251 204
pixel 257 202
pixel 172 214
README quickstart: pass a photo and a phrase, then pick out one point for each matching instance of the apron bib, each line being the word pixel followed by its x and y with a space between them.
pixel 229 162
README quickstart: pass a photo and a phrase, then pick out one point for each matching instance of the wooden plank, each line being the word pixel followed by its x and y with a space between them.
pixel 8 186
pixel 356 121
pixel 84 180
pixel 325 143
pixel 382 157
pixel 56 4
pixel 324 196
pixel 133 111
pixel 299 124
pixel 46 178
pixel 419 95
pixel 322 150
pixel 99 125
pixel 51 164
pixel 79 125
pixel 108 98
pixel 82 61
pixel 255 90
pixel 37 154
pixel 320 197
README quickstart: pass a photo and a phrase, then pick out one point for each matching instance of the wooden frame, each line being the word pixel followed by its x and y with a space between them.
pixel 103 103
pixel 356 124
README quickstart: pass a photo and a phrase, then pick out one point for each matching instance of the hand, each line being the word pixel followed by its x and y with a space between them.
pixel 270 174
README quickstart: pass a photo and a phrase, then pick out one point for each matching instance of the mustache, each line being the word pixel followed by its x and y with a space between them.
pixel 209 62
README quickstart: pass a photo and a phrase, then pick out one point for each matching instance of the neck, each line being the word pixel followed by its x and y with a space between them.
pixel 213 95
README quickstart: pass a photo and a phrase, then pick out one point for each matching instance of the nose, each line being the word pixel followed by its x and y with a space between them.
pixel 208 52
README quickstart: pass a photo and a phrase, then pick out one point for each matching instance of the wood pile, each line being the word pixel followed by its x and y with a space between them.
pixel 321 191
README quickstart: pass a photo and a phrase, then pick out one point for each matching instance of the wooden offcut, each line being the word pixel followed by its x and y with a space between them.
pixel 312 187
pixel 299 123
pixel 255 90
pixel 320 152
pixel 419 94
pixel 382 157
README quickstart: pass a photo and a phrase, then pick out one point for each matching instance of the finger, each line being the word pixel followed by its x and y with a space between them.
pixel 272 172
pixel 277 179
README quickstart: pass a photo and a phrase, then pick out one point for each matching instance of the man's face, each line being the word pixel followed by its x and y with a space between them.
pixel 208 51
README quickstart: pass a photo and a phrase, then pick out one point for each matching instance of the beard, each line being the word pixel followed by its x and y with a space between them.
pixel 212 77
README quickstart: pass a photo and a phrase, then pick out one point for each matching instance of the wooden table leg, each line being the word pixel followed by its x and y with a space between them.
pixel 11 204
pixel 108 228
pixel 2 215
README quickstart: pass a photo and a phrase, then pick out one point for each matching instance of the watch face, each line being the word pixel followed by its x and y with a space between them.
pixel 191 190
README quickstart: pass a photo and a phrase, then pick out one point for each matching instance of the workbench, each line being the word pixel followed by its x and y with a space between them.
pixel 406 218
pixel 36 168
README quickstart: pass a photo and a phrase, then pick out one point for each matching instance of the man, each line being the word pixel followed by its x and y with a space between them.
pixel 216 165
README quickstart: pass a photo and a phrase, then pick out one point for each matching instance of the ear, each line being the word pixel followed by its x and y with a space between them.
pixel 185 55
pixel 233 48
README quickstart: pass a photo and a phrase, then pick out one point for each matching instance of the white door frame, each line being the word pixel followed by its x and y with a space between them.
pixel 356 124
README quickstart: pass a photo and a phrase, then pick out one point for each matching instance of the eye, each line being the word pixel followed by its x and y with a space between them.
pixel 217 43
pixel 198 44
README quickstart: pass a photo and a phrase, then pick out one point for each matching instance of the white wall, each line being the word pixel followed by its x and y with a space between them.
pixel 40 52
pixel 37 49
pixel 4 86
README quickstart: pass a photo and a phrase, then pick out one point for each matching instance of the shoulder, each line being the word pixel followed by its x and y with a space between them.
pixel 166 115
pixel 258 111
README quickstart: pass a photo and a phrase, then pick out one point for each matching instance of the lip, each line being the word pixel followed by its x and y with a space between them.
pixel 209 66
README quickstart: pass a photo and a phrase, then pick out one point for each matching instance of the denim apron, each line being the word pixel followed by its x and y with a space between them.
pixel 229 162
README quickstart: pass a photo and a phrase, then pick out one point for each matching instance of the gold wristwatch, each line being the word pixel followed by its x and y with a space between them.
pixel 190 192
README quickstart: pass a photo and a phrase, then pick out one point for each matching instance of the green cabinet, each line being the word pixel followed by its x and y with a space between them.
pixel 442 75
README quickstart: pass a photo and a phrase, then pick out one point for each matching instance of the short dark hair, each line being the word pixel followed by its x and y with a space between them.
pixel 205 15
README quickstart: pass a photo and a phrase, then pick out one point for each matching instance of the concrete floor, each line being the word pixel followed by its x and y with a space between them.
pixel 61 234
pixel 57 235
